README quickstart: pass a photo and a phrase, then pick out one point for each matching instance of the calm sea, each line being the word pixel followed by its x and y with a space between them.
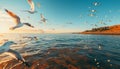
pixel 105 48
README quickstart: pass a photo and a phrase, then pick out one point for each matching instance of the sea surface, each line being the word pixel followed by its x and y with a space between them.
pixel 105 48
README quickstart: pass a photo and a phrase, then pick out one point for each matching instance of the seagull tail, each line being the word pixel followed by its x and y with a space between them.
pixel 27 64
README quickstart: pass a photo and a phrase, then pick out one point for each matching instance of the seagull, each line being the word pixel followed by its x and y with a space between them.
pixel 32 7
pixel 93 10
pixel 43 19
pixel 96 3
pixel 17 20
pixel 5 48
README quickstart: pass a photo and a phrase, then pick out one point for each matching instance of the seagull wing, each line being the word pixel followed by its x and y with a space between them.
pixel 15 55
pixel 28 25
pixel 14 16
pixel 31 3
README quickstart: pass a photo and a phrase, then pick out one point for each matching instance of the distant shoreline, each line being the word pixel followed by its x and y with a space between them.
pixel 107 30
pixel 99 33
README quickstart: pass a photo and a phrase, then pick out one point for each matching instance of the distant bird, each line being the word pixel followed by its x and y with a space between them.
pixel 17 20
pixel 5 48
pixel 92 10
pixel 96 3
pixel 43 19
pixel 32 7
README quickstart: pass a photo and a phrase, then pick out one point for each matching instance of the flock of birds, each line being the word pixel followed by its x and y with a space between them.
pixel 5 48
pixel 93 13
pixel 17 18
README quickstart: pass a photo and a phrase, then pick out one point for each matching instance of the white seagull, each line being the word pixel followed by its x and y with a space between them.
pixel 96 3
pixel 17 20
pixel 32 7
pixel 5 48
pixel 43 19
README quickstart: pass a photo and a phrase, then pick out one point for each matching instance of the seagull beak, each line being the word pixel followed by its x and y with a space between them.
pixel 6 10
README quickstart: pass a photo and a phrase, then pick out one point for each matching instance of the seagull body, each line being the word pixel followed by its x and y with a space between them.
pixel 32 7
pixel 43 19
pixel 5 48
pixel 17 20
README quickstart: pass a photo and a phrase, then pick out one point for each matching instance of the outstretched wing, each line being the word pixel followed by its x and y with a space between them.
pixel 15 55
pixel 14 16
pixel 28 25
pixel 31 3
pixel 43 19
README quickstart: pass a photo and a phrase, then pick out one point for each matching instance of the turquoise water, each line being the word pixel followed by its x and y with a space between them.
pixel 105 48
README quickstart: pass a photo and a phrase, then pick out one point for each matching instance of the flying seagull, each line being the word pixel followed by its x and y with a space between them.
pixel 32 7
pixel 43 19
pixel 96 3
pixel 17 20
pixel 5 48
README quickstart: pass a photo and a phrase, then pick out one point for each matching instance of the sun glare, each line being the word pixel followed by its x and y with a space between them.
pixel 5 23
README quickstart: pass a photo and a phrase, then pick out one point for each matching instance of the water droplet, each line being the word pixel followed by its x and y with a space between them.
pixel 108 60
pixel 100 48
pixel 95 59
pixel 93 10
pixel 97 63
pixel 38 64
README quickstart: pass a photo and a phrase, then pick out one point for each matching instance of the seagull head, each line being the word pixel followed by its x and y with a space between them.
pixel 6 10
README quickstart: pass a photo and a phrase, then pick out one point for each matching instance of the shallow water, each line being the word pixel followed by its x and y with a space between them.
pixel 105 49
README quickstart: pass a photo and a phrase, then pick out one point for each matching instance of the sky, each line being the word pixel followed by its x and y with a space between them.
pixel 62 15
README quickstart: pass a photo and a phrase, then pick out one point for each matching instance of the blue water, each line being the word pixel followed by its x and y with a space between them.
pixel 105 48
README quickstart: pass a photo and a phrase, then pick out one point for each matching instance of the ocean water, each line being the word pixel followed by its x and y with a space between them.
pixel 105 48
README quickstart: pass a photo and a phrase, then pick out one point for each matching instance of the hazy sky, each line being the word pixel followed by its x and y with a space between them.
pixel 61 13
